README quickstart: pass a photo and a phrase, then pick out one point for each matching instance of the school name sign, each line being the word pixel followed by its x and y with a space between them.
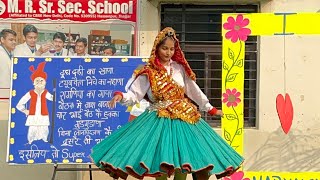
pixel 92 10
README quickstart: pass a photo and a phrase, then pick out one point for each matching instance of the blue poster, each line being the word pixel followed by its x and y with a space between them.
pixel 59 106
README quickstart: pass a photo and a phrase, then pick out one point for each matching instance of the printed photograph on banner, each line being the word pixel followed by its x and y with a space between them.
pixel 54 39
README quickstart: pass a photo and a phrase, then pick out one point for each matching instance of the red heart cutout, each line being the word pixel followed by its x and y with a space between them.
pixel 285 111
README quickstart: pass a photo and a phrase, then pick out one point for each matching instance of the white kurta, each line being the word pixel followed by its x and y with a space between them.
pixel 24 50
pixel 37 119
pixel 141 86
pixel 5 71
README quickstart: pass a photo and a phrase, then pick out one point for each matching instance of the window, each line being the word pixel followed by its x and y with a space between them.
pixel 198 28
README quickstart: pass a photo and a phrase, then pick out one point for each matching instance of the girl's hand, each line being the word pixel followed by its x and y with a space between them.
pixel 219 113
pixel 114 101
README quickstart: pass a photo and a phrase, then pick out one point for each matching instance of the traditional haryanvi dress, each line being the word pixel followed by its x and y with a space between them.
pixel 170 135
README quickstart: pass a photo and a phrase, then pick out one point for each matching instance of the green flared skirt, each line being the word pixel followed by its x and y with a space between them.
pixel 152 146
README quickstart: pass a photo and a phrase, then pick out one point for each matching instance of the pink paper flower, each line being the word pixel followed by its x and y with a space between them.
pixel 236 176
pixel 237 28
pixel 231 98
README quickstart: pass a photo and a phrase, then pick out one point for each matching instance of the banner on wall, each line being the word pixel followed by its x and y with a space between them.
pixel 83 11
pixel 59 106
